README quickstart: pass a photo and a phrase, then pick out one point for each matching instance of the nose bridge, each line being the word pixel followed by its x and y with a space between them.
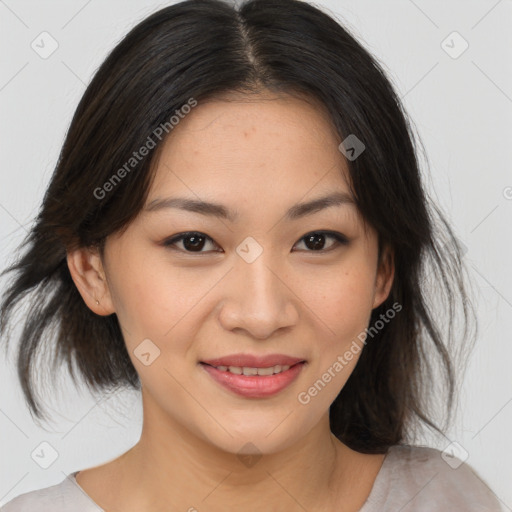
pixel 261 284
pixel 259 300
pixel 253 268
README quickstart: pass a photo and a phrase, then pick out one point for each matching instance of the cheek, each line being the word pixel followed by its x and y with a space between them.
pixel 341 299
pixel 342 307
pixel 168 307
pixel 150 297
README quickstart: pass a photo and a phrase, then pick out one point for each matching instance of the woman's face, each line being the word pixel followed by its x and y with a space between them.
pixel 249 281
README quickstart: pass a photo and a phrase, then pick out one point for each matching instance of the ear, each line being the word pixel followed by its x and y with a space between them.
pixel 385 275
pixel 87 272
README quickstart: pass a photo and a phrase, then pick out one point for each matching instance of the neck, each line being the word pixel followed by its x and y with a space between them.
pixel 172 468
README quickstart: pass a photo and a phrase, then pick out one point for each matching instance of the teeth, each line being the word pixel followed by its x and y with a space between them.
pixel 246 370
pixel 265 371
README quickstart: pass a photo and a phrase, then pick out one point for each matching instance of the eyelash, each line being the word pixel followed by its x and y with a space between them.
pixel 170 242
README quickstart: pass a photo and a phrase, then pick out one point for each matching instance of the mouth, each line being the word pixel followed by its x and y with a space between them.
pixel 249 371
pixel 254 381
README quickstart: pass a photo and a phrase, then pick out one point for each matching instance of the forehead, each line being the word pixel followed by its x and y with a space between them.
pixel 258 145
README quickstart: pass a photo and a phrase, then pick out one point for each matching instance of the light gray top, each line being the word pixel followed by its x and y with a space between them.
pixel 411 479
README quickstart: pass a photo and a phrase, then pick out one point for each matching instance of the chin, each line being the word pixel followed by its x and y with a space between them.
pixel 253 438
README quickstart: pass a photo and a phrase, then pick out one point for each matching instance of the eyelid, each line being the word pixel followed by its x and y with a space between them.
pixel 170 242
pixel 340 239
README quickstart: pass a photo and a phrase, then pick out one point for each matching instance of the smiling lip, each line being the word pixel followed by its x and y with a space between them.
pixel 254 386
pixel 252 361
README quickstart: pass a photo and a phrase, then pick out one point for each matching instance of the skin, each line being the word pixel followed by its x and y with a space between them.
pixel 257 156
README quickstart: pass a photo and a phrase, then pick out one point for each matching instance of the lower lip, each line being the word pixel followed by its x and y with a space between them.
pixel 257 386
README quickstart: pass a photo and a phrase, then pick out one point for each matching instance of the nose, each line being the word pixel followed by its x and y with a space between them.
pixel 259 300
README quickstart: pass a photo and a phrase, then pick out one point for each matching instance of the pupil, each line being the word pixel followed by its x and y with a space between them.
pixel 194 242
pixel 316 240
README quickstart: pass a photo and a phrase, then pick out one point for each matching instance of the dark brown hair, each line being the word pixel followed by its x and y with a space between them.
pixel 202 49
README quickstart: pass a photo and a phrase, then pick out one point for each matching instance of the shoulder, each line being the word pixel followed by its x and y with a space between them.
pixel 65 496
pixel 419 478
pixel 431 478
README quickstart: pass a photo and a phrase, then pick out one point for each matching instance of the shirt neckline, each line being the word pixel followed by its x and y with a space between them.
pixel 79 489
pixel 382 483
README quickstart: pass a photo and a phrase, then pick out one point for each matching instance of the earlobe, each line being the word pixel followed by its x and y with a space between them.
pixel 86 269
pixel 385 276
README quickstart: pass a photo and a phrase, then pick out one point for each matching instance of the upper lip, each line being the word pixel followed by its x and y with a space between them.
pixel 253 361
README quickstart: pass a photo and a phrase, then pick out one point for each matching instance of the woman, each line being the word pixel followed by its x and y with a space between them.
pixel 237 227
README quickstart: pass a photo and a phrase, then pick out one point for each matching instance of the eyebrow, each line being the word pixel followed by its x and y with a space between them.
pixel 218 210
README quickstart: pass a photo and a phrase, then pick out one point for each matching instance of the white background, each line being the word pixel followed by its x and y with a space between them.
pixel 462 108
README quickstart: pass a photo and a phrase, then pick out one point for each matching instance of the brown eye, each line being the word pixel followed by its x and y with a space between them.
pixel 316 241
pixel 192 242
